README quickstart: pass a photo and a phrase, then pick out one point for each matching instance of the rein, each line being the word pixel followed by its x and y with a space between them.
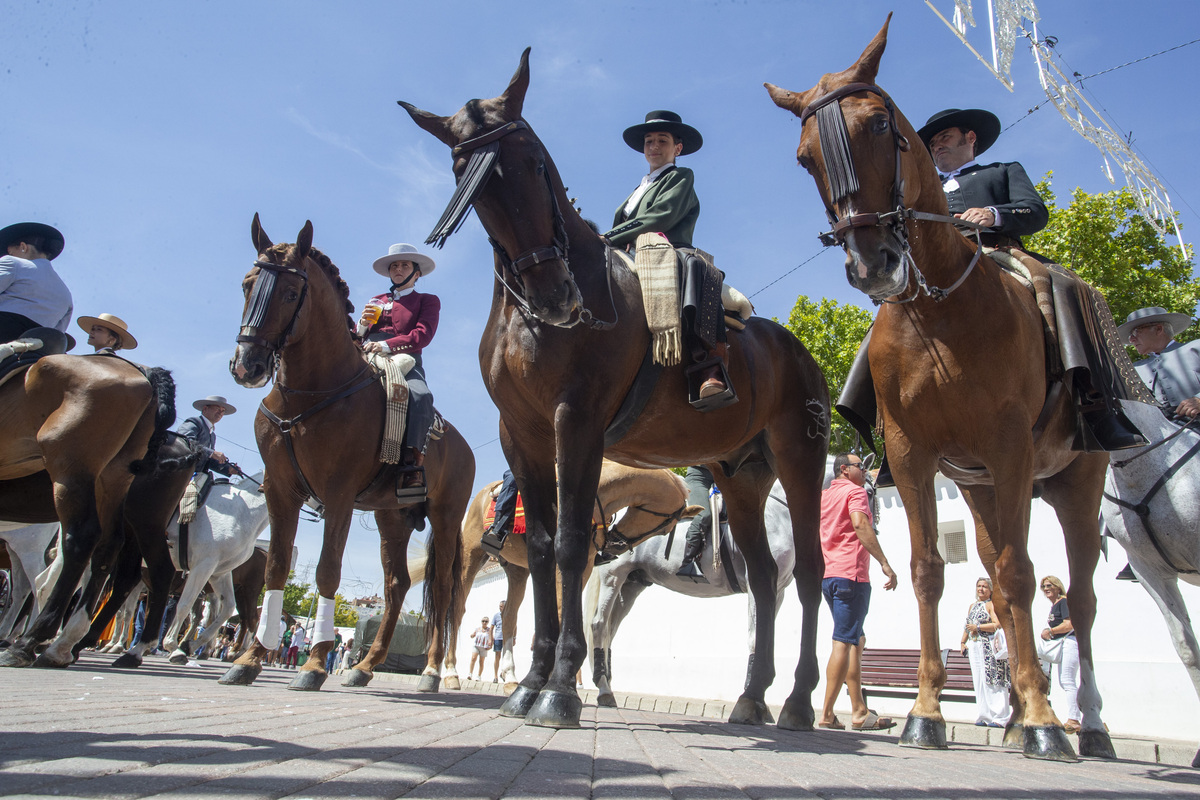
pixel 1142 509
pixel 616 542
pixel 484 160
pixel 843 182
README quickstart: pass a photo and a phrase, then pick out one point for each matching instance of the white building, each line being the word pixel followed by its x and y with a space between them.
pixel 680 646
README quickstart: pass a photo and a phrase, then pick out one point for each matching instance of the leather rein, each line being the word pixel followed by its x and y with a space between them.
pixel 615 542
pixel 256 312
pixel 843 181
pixel 483 162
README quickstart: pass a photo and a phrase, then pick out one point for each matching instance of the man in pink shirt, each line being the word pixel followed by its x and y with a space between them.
pixel 848 542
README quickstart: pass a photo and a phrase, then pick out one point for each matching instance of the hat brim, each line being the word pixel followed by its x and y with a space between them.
pixel 985 124
pixel 126 338
pixel 200 404
pixel 18 233
pixel 423 262
pixel 635 135
pixel 1178 323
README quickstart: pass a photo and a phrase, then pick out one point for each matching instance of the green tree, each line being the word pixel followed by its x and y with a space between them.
pixel 1109 244
pixel 832 332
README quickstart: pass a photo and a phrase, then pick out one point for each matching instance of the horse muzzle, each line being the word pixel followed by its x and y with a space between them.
pixel 250 366
pixel 557 306
pixel 878 269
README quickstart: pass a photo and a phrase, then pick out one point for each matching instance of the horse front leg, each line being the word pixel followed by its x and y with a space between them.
pixel 283 508
pixel 1075 496
pixel 925 726
pixel 536 483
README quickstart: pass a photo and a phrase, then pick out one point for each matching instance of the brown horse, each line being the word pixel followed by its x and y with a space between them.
pixel 654 499
pixel 566 337
pixel 944 397
pixel 87 423
pixel 331 403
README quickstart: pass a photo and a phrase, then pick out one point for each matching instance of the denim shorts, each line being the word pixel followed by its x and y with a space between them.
pixel 848 600
pixel 497 645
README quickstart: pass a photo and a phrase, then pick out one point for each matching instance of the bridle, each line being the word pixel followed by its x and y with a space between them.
pixel 259 304
pixel 843 182
pixel 615 542
pixel 484 153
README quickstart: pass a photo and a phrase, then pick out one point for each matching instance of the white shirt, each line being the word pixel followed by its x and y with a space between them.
pixel 636 197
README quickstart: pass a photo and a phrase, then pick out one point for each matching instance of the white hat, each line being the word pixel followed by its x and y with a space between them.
pixel 403 252
pixel 1174 322
pixel 214 400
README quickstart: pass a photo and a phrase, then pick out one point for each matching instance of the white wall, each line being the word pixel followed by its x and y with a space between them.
pixel 680 646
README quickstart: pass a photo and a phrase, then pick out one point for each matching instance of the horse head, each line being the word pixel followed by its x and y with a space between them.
pixel 275 288
pixel 858 152
pixel 505 173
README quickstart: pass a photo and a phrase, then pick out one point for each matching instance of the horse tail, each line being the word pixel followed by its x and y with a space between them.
pixel 163 386
pixel 439 621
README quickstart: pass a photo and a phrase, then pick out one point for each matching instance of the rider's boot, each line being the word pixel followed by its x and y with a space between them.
pixel 690 568
pixel 1110 428
pixel 711 378
pixel 412 482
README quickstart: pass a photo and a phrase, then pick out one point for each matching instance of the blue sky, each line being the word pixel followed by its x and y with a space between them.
pixel 150 134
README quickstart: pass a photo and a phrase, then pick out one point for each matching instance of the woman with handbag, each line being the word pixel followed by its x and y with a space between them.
pixel 1058 646
pixel 989 674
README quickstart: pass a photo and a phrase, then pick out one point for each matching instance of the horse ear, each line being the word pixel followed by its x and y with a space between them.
pixel 514 96
pixel 789 101
pixel 304 241
pixel 438 126
pixel 258 236
pixel 867 66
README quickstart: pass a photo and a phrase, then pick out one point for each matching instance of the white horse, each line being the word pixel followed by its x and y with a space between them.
pixel 1152 507
pixel 27 548
pixel 220 539
pixel 614 586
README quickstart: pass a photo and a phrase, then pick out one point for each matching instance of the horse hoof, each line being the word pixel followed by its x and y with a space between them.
pixel 519 702
pixel 606 701
pixel 240 675
pixel 44 662
pixel 357 678
pixel 751 712
pixel 555 710
pixel 452 682
pixel 428 684
pixel 1048 742
pixel 509 687
pixel 1096 744
pixel 924 733
pixel 1014 736
pixel 791 719
pixel 178 657
pixel 1196 760
pixel 127 661
pixel 308 680
pixel 15 657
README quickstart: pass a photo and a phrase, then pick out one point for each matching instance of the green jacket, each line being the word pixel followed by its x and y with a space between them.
pixel 669 206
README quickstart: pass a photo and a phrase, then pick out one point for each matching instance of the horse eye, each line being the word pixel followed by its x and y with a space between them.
pixel 291 297
pixel 880 125
pixel 805 162
pixel 541 168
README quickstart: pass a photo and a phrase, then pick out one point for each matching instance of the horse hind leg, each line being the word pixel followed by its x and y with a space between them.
pixel 394 532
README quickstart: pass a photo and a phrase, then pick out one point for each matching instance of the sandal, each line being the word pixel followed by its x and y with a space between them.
pixel 835 725
pixel 1072 726
pixel 873 722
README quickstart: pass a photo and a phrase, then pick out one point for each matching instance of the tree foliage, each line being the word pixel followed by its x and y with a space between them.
pixel 1109 244
pixel 832 332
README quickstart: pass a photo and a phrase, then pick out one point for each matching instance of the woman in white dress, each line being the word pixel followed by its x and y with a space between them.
pixel 990 675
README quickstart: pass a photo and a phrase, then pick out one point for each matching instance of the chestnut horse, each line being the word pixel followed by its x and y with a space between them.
pixel 653 499
pixel 565 338
pixel 960 380
pixel 331 403
pixel 80 426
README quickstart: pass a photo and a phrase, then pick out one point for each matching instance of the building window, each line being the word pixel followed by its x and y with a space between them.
pixel 952 541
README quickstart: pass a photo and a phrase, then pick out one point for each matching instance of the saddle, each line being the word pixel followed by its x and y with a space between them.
pixel 15 360
pixel 518 516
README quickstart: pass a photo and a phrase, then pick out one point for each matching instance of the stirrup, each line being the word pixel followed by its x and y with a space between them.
pixel 691 571
pixel 407 495
pixel 712 402
pixel 491 543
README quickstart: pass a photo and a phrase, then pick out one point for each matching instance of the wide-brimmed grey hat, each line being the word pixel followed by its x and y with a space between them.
pixel 985 124
pixel 214 400
pixel 1150 315
pixel 662 120
pixel 404 252
pixel 22 231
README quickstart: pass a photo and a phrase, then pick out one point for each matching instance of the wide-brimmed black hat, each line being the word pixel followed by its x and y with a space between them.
pixel 669 121
pixel 24 231
pixel 985 124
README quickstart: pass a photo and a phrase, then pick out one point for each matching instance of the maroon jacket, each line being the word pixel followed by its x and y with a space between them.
pixel 409 323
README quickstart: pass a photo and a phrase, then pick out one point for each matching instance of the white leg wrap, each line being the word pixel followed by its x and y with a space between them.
pixel 268 623
pixel 323 629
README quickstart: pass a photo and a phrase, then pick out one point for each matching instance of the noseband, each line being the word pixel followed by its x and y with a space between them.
pixel 843 182
pixel 615 542
pixel 484 152
pixel 260 303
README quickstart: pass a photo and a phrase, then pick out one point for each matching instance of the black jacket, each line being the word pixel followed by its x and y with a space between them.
pixel 1006 188
pixel 195 429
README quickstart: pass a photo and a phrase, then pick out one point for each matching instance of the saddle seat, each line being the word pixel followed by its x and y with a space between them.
pixel 21 354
